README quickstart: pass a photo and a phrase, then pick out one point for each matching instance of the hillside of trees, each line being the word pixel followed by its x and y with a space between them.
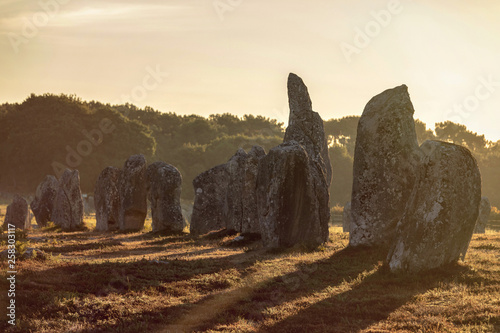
pixel 47 133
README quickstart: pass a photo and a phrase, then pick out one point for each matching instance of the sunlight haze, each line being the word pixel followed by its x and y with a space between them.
pixel 234 56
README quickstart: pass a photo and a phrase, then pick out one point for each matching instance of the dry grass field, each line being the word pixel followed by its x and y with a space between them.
pixel 141 282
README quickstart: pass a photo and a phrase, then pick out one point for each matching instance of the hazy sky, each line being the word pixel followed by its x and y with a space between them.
pixel 234 55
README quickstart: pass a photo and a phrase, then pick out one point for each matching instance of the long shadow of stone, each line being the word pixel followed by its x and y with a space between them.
pixel 370 301
pixel 353 291
pixel 344 265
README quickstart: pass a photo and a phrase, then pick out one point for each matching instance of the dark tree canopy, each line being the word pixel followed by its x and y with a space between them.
pixel 47 133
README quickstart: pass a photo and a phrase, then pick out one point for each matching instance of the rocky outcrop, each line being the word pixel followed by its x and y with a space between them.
pixel 385 162
pixel 17 214
pixel 133 194
pixel 484 214
pixel 292 198
pixel 210 189
pixel 165 196
pixel 241 198
pixel 68 204
pixel 43 203
pixel 107 199
pixel 439 220
pixel 346 217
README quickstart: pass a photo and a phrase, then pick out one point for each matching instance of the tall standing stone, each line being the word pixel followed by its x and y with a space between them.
pixel 17 214
pixel 484 214
pixel 385 162
pixel 241 198
pixel 293 179
pixel 133 194
pixel 43 203
pixel 290 206
pixel 346 217
pixel 165 196
pixel 441 214
pixel 306 126
pixel 107 199
pixel 68 205
pixel 210 189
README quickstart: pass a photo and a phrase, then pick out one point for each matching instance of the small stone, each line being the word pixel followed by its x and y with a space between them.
pixel 165 196
pixel 68 205
pixel 484 214
pixel 346 217
pixel 43 203
pixel 107 199
pixel 133 194
pixel 17 214
pixel 210 200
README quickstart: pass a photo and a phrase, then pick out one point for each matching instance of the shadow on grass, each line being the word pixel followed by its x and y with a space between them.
pixel 348 291
pixel 366 294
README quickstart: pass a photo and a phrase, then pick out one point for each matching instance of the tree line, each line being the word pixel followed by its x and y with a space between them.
pixel 47 133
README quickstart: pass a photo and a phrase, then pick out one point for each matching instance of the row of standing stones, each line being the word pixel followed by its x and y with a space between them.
pixel 419 202
pixel 120 199
pixel 55 200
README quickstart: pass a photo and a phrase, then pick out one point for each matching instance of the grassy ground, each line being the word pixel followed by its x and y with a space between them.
pixel 139 282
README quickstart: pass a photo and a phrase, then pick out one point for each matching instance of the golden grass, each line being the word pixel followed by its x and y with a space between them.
pixel 140 282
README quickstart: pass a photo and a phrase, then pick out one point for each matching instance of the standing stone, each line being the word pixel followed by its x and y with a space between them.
pixel 293 179
pixel 17 214
pixel 306 126
pixel 43 203
pixel 346 217
pixel 250 221
pixel 292 196
pixel 484 214
pixel 165 196
pixel 441 214
pixel 107 199
pixel 385 162
pixel 233 213
pixel 88 205
pixel 210 189
pixel 241 198
pixel 133 194
pixel 68 205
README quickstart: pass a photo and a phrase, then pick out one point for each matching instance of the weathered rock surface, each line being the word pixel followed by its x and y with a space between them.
pixel 241 198
pixel 210 189
pixel 43 203
pixel 68 204
pixel 484 214
pixel 107 199
pixel 233 207
pixel 441 214
pixel 346 217
pixel 133 194
pixel 385 161
pixel 306 126
pixel 165 196
pixel 293 179
pixel 292 198
pixel 17 214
